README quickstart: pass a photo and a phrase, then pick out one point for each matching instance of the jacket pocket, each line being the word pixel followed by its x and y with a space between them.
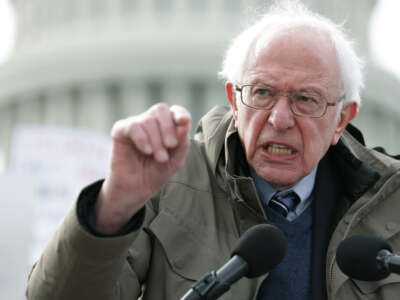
pixel 390 284
pixel 190 251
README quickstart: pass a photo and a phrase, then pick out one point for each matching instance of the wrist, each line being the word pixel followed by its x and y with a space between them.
pixel 115 208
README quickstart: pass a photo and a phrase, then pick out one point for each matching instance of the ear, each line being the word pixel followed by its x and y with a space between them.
pixel 231 95
pixel 348 113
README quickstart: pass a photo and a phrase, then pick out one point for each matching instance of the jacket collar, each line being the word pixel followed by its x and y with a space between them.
pixel 213 130
pixel 357 177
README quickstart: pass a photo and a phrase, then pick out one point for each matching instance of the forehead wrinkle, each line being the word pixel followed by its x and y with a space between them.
pixel 311 45
pixel 319 82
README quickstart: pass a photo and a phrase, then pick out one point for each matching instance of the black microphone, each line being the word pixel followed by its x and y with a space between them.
pixel 367 258
pixel 258 251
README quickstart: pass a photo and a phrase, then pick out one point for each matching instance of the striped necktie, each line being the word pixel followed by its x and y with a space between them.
pixel 283 203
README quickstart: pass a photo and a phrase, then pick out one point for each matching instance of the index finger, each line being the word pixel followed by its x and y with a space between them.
pixel 180 115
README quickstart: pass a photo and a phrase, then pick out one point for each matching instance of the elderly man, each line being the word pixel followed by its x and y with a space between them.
pixel 172 209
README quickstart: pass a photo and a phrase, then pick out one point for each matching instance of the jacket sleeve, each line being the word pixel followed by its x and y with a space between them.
pixel 77 265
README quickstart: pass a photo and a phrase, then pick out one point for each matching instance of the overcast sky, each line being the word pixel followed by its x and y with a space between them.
pixel 385 41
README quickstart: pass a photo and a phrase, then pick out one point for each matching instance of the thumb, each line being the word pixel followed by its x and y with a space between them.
pixel 182 120
pixel 180 115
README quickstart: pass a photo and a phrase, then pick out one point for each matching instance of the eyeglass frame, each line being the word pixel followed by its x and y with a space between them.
pixel 239 88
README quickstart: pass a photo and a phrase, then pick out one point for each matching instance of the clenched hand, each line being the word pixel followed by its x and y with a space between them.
pixel 147 150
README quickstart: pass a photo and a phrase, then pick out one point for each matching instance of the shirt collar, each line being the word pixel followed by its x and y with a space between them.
pixel 303 188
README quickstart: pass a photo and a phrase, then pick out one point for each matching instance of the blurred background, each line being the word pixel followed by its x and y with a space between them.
pixel 71 68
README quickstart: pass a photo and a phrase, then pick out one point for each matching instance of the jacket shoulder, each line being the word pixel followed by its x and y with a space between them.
pixel 214 124
pixel 376 157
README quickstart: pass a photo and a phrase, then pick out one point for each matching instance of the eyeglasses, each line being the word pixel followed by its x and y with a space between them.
pixel 303 103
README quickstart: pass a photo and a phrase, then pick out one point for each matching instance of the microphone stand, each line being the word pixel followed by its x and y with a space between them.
pixel 390 262
pixel 214 284
pixel 202 287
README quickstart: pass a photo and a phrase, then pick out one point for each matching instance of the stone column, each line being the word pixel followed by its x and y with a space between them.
pixel 176 91
pixel 59 108
pixel 29 109
pixel 133 98
pixel 94 109
pixel 216 94
pixel 7 123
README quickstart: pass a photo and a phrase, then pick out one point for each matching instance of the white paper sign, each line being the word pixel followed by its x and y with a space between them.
pixel 60 162
pixel 17 202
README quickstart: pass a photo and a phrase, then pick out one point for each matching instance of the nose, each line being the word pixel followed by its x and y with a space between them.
pixel 281 116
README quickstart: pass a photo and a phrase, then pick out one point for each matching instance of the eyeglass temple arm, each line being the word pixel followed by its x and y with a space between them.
pixel 336 102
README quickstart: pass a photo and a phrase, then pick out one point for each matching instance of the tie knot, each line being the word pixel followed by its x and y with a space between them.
pixel 284 202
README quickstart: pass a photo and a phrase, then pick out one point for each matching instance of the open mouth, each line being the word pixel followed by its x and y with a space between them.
pixel 278 149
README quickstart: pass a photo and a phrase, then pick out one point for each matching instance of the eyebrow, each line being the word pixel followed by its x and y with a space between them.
pixel 309 89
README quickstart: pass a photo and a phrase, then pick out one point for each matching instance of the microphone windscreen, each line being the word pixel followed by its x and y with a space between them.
pixel 263 247
pixel 357 257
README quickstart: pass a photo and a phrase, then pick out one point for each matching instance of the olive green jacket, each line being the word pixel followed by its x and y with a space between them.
pixel 193 223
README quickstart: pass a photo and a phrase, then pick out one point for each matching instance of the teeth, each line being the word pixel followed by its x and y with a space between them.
pixel 278 149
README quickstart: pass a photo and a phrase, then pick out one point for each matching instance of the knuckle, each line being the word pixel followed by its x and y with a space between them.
pixel 140 139
pixel 117 127
pixel 159 108
pixel 176 107
pixel 148 120
pixel 134 127
pixel 162 106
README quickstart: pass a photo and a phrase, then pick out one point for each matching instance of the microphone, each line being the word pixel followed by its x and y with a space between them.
pixel 258 251
pixel 367 258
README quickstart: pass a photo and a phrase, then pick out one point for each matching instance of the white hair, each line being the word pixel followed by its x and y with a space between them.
pixel 292 14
